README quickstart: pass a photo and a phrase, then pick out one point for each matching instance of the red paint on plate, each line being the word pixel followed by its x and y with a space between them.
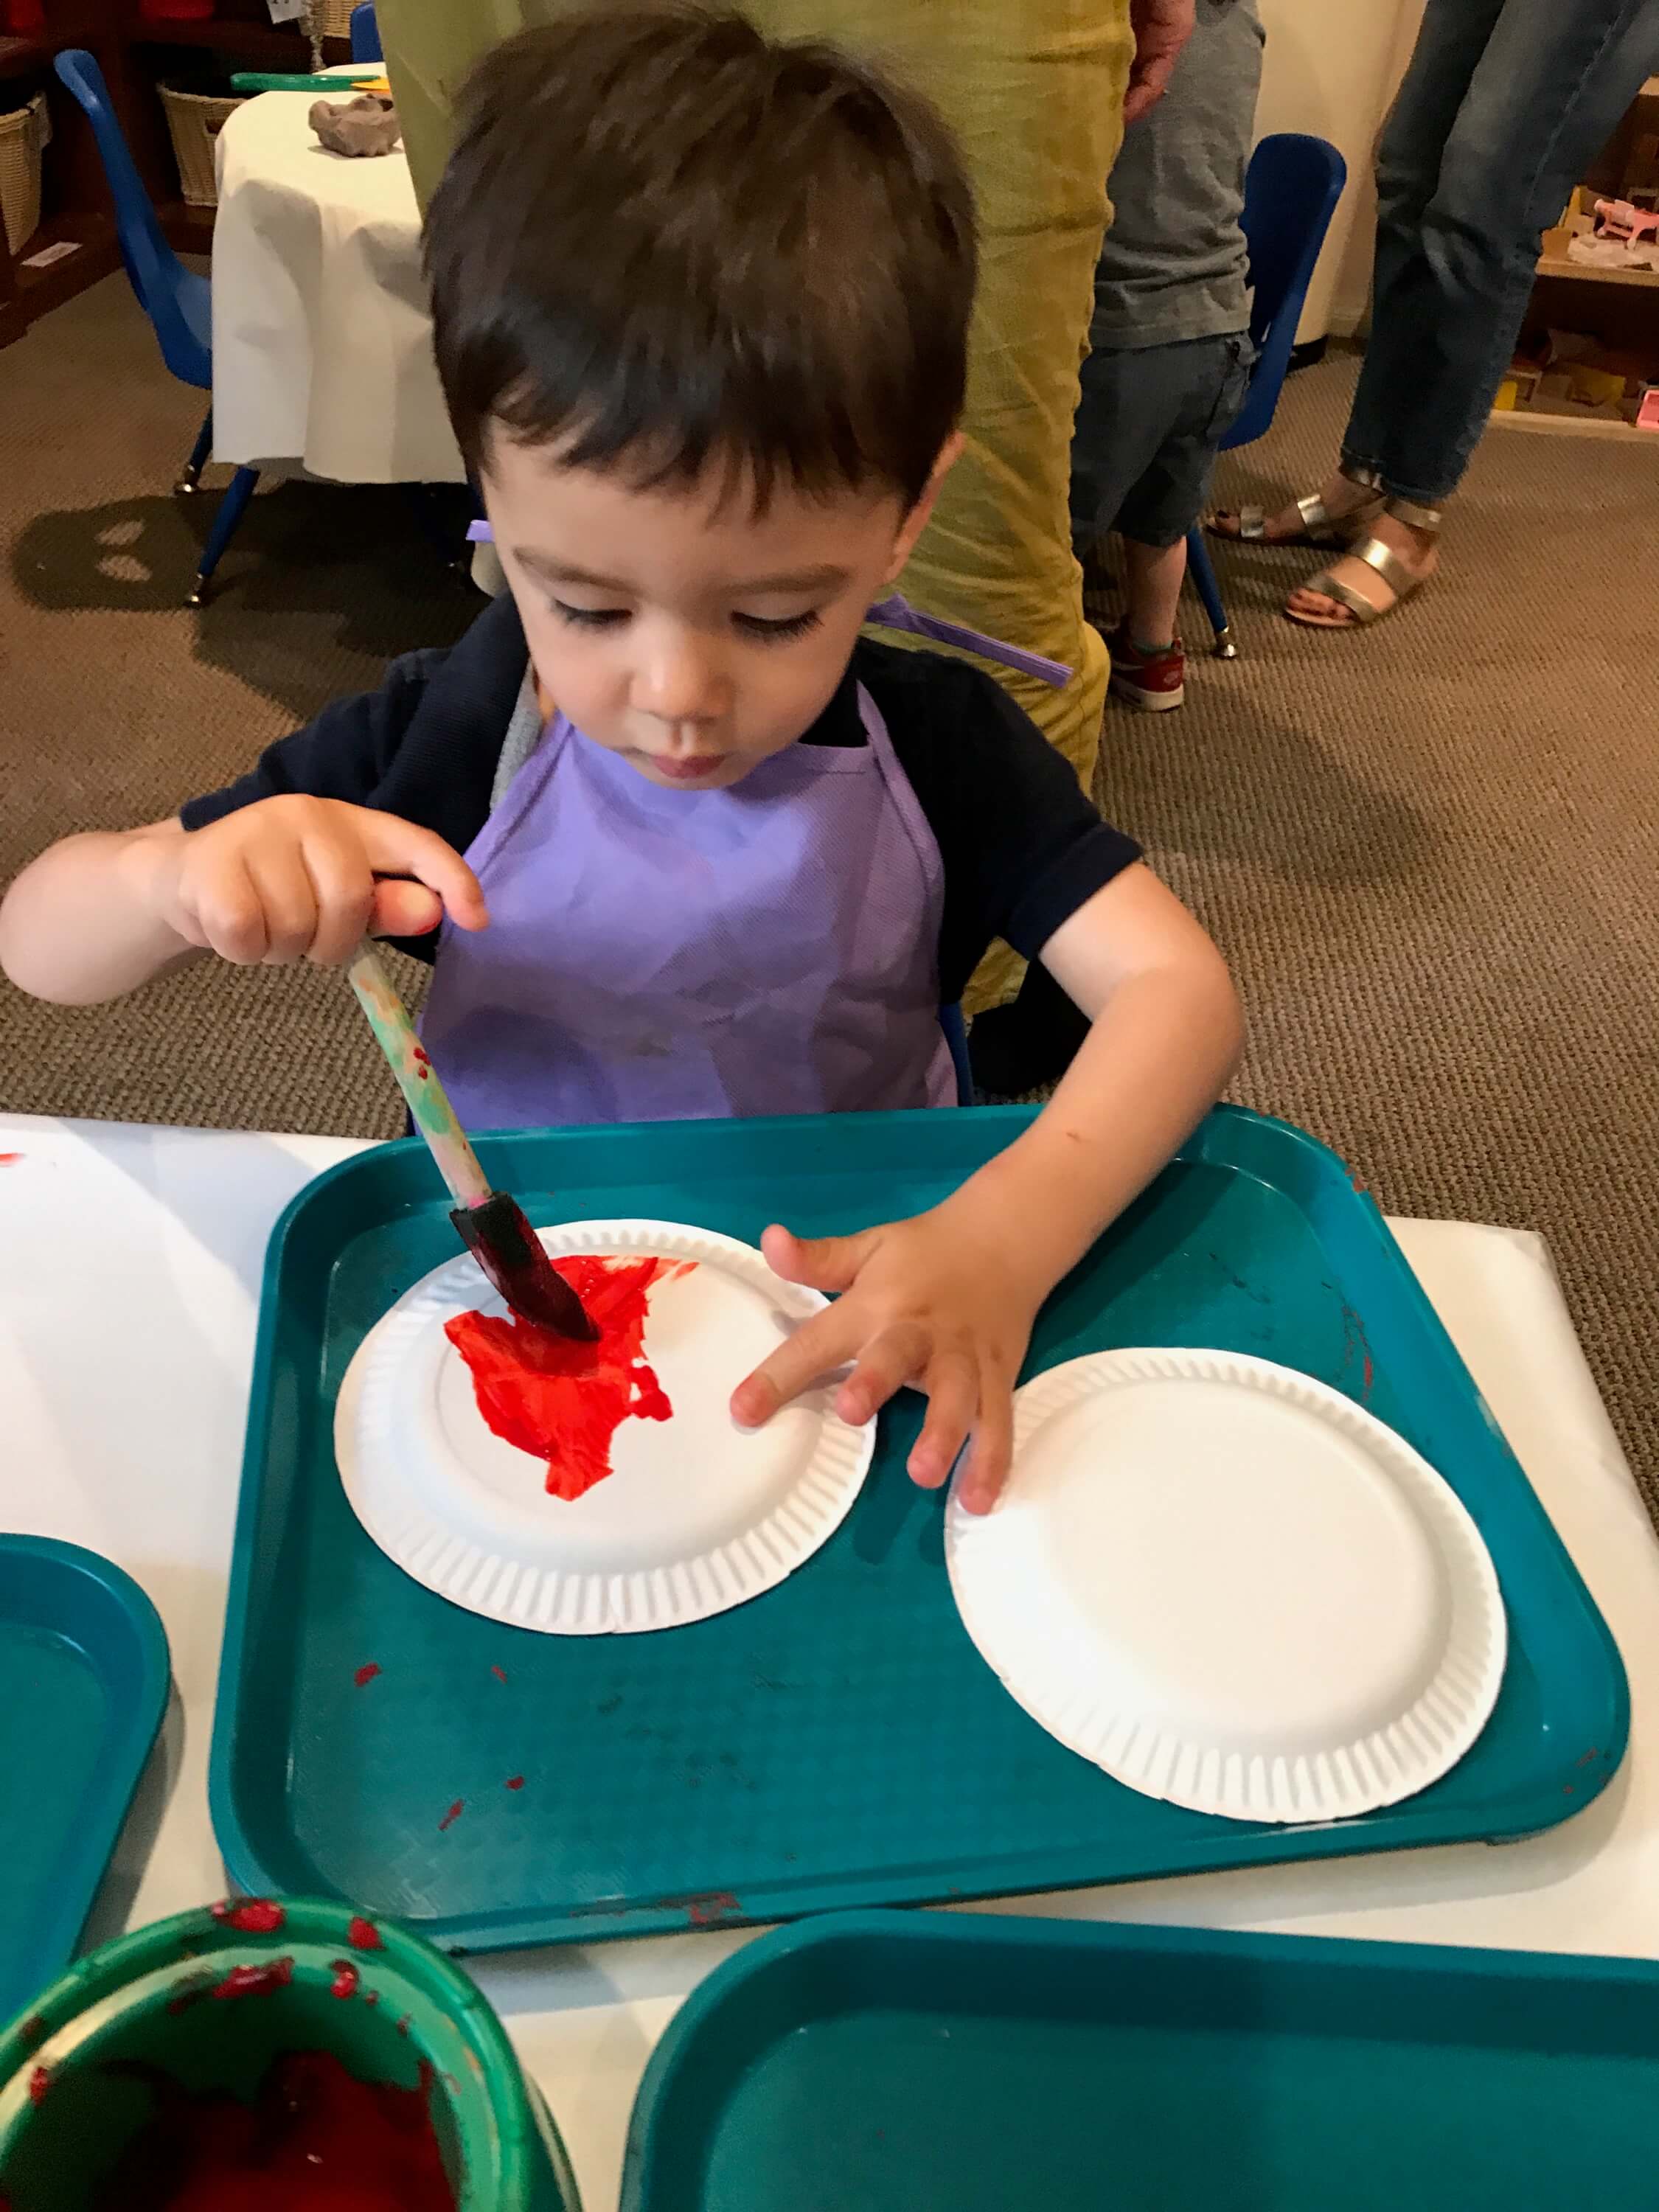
pixel 560 1399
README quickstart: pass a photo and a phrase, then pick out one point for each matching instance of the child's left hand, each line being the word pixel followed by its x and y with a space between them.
pixel 935 1302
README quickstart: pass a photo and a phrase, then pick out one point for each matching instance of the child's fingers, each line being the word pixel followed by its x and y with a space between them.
pixel 344 892
pixel 823 1263
pixel 396 848
pixel 288 899
pixel 989 1457
pixel 401 908
pixel 228 917
pixel 815 1349
pixel 884 1365
pixel 952 1387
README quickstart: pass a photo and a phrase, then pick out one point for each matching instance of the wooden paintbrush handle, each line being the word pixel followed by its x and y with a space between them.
pixel 417 1078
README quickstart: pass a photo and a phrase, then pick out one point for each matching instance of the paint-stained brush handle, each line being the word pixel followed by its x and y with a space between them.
pixel 428 1103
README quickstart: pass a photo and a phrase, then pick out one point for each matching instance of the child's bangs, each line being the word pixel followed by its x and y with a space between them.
pixel 744 438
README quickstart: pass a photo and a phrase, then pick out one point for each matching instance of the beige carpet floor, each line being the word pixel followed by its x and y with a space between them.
pixel 1431 852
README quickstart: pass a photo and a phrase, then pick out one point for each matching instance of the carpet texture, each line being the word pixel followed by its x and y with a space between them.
pixel 1430 851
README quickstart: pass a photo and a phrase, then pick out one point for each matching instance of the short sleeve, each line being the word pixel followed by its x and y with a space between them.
pixel 1022 848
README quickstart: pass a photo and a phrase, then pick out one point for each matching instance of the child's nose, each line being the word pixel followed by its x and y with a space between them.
pixel 682 684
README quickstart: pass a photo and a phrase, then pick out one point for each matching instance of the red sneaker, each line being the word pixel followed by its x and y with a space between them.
pixel 1154 682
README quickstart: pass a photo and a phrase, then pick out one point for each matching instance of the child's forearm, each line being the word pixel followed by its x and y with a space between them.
pixel 82 923
pixel 1153 1064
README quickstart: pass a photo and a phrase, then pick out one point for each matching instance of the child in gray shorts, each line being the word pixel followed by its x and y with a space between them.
pixel 1170 352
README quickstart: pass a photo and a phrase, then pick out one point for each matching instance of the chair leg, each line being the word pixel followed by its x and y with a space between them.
pixel 233 505
pixel 1202 571
pixel 191 479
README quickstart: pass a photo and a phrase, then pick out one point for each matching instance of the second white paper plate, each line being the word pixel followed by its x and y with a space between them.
pixel 1231 1588
pixel 699 1515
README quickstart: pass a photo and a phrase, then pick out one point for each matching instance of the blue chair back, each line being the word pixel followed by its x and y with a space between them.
pixel 1290 192
pixel 365 33
pixel 172 297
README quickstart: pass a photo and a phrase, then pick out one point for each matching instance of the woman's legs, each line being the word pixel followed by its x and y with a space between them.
pixel 1460 209
pixel 1506 104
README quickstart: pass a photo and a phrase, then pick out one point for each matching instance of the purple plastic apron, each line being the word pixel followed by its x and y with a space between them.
pixel 656 955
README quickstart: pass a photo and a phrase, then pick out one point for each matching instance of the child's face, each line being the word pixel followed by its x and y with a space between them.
pixel 680 630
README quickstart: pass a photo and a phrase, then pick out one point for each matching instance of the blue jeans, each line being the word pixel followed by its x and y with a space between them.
pixel 1504 106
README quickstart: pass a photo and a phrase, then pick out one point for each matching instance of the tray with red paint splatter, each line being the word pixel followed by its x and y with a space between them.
pixel 837 1741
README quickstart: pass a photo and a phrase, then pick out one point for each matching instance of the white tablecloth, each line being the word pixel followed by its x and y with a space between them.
pixel 322 344
pixel 163 1230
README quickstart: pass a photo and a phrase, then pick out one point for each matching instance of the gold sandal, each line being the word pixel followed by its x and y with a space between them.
pixel 1319 527
pixel 1383 561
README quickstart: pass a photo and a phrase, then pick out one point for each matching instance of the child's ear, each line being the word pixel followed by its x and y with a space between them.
pixel 917 520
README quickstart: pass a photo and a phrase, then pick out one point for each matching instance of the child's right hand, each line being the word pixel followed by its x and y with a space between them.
pixel 303 878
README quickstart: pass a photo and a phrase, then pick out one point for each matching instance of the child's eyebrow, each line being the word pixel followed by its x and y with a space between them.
pixel 551 570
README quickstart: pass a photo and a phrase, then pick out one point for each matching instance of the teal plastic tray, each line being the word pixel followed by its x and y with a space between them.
pixel 83 1685
pixel 933 2062
pixel 837 1742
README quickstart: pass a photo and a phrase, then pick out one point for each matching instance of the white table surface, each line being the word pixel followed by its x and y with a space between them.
pixel 158 1235
pixel 322 342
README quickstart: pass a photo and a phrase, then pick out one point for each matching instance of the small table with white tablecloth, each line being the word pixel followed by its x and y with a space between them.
pixel 322 342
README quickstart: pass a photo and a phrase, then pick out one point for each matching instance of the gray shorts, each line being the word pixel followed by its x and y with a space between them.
pixel 1148 423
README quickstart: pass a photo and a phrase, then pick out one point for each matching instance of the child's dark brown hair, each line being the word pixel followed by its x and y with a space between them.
pixel 665 242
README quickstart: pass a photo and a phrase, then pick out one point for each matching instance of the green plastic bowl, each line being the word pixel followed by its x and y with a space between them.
pixel 68 2107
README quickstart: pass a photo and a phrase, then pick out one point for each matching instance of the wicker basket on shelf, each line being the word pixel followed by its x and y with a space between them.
pixel 23 131
pixel 195 119
pixel 334 18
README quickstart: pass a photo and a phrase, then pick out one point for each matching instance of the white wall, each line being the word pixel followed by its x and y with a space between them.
pixel 1331 68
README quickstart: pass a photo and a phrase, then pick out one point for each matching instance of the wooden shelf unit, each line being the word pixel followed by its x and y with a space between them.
pixel 134 53
pixel 1615 306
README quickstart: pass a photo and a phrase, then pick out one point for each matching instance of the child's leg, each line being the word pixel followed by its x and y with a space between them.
pixel 1152 577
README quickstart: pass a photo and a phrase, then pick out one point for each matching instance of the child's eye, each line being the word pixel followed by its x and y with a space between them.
pixel 777 631
pixel 589 617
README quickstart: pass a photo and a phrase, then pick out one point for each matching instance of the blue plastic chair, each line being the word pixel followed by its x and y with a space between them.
pixel 950 1020
pixel 180 303
pixel 365 34
pixel 1290 192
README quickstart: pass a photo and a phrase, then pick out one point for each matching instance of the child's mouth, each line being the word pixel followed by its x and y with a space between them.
pixel 697 769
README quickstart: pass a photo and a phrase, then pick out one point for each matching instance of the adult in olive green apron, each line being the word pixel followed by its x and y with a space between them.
pixel 1033 90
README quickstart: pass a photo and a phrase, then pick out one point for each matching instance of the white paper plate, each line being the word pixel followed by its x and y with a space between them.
pixel 1231 1588
pixel 698 1515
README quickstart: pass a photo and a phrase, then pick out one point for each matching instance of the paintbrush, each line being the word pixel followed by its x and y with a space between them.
pixel 491 1223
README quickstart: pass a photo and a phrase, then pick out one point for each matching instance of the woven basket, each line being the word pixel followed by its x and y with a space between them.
pixel 196 118
pixel 334 18
pixel 23 132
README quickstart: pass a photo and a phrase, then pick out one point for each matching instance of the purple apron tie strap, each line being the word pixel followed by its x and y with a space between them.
pixel 894 612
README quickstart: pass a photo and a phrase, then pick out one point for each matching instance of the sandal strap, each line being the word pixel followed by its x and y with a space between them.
pixel 1389 566
pixel 1387 563
pixel 1415 517
pixel 1253 524
pixel 1333 587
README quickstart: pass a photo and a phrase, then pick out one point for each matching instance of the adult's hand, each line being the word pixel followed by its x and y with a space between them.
pixel 1162 28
